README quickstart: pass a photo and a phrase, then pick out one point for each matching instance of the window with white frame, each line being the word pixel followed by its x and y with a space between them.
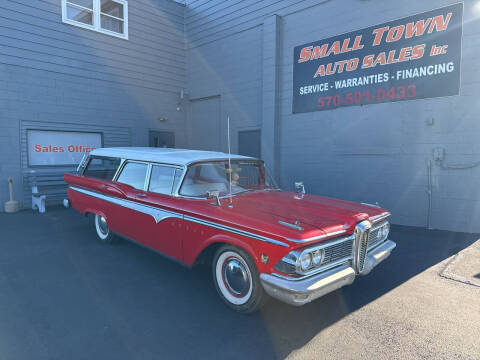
pixel 106 16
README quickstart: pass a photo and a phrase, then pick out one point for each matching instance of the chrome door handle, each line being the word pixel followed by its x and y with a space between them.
pixel 141 195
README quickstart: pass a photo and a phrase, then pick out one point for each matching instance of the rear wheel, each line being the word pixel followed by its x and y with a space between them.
pixel 236 279
pixel 103 232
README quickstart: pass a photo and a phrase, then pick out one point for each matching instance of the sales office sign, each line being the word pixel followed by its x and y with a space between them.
pixel 416 57
pixel 57 148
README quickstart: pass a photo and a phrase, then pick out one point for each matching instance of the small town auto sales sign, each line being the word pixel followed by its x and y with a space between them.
pixel 416 57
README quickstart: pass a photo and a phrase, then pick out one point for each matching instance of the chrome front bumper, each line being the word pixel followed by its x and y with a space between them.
pixel 300 292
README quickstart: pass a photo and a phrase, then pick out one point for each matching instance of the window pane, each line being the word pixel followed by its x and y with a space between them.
pixel 215 176
pixel 112 8
pixel 133 174
pixel 101 168
pixel 79 15
pixel 112 24
pixel 84 3
pixel 161 179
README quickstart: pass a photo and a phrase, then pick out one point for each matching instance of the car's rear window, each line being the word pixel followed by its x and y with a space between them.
pixel 101 167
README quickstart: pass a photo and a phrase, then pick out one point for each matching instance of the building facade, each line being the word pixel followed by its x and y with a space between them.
pixel 185 68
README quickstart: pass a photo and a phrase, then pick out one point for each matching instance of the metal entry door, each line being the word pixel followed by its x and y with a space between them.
pixel 249 143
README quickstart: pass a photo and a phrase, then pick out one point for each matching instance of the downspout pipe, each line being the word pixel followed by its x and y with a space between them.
pixel 429 194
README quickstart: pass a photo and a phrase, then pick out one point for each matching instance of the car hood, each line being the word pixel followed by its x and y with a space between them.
pixel 316 215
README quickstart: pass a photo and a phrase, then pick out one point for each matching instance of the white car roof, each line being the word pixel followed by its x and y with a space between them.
pixel 165 155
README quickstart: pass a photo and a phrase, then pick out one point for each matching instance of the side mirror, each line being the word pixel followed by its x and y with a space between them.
pixel 214 194
pixel 299 187
pixel 299 190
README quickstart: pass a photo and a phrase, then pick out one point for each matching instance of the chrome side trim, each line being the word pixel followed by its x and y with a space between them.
pixel 157 214
pixel 235 231
pixel 301 241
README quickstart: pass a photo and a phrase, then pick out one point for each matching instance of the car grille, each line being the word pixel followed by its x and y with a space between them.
pixel 367 240
pixel 338 252
pixel 373 239
pixel 363 253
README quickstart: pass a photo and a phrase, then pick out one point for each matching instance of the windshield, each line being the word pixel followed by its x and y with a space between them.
pixel 215 176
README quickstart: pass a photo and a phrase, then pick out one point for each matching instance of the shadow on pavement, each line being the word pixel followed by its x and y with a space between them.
pixel 65 295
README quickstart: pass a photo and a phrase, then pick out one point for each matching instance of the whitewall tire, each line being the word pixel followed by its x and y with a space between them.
pixel 236 279
pixel 103 231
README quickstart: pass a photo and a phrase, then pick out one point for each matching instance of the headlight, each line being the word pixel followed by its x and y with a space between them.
pixel 317 257
pixel 385 231
pixel 306 261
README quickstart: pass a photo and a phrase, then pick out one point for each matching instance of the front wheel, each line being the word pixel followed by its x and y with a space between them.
pixel 103 232
pixel 236 279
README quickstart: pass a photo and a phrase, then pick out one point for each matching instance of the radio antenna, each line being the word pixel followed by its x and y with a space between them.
pixel 229 160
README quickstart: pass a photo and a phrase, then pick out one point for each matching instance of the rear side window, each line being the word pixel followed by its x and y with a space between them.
pixel 101 167
pixel 133 174
pixel 161 179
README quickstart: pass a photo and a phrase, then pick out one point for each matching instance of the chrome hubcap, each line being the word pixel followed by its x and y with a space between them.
pixel 236 277
pixel 102 225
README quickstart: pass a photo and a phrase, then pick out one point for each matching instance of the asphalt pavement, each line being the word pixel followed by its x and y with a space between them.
pixel 64 295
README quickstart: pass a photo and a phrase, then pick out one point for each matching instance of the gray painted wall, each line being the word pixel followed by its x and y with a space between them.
pixel 57 76
pixel 331 151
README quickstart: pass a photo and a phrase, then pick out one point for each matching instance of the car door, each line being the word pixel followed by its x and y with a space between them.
pixel 166 233
pixel 134 220
pixel 149 217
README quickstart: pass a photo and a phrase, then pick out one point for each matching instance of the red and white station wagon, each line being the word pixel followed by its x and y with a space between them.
pixel 199 206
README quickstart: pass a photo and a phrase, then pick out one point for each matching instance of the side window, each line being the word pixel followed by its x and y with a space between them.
pixel 101 168
pixel 133 174
pixel 161 179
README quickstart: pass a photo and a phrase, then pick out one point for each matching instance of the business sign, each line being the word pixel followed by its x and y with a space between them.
pixel 54 148
pixel 416 57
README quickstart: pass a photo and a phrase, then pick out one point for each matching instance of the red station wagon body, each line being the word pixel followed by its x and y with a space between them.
pixel 268 225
